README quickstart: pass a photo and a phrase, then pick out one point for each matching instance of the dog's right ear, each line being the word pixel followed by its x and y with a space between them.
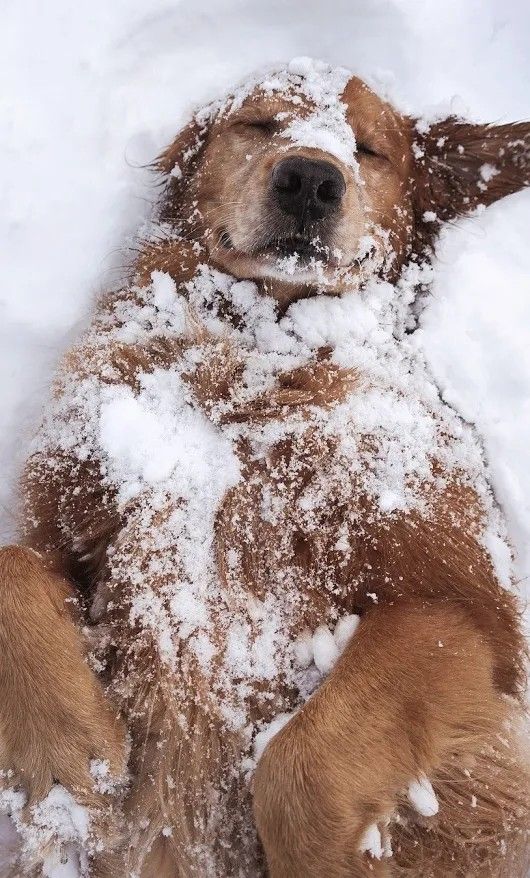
pixel 459 166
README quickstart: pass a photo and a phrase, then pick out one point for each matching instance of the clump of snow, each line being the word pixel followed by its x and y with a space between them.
pixel 269 732
pixel 325 647
pixel 57 831
pixel 422 796
pixel 344 630
pixel 303 650
pixel 488 172
pixel 325 650
pixel 155 435
pixel 371 842
pixel 376 841
pixel 326 127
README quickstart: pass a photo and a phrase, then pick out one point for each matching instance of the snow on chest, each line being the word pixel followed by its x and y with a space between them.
pixel 380 440
pixel 171 459
pixel 156 438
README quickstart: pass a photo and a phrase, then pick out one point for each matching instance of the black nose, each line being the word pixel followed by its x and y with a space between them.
pixel 307 189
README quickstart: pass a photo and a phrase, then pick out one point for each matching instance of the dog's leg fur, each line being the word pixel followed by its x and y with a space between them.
pixel 55 718
pixel 188 811
pixel 412 693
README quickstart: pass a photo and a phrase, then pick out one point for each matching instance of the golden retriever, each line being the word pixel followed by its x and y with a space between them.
pixel 243 450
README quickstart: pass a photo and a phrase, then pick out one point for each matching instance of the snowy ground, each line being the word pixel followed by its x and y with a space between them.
pixel 90 91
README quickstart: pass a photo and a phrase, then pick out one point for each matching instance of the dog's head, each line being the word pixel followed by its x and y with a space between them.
pixel 309 179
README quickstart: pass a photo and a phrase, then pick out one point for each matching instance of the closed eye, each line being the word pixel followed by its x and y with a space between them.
pixel 264 126
pixel 364 149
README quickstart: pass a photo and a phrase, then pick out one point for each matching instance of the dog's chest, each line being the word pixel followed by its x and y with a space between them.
pixel 291 525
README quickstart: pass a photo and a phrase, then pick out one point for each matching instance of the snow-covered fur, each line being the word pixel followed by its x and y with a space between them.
pixel 231 461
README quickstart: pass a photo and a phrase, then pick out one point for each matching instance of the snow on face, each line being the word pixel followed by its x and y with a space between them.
pixel 326 127
pixel 304 82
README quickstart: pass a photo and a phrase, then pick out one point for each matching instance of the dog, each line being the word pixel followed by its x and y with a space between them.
pixel 243 451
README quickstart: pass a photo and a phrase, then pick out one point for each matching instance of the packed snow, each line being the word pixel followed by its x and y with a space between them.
pixel 422 796
pixel 92 93
pixel 57 825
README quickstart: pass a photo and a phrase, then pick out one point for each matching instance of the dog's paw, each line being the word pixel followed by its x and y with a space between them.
pixel 314 655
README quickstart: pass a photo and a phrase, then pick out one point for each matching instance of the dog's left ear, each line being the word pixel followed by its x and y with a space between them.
pixel 177 159
pixel 458 166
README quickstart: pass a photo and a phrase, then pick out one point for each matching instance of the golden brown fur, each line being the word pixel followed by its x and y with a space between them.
pixel 433 680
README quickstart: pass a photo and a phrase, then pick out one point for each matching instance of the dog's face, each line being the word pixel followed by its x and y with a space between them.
pixel 277 206
pixel 310 180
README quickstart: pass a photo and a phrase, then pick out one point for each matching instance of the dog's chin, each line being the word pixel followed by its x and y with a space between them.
pixel 288 265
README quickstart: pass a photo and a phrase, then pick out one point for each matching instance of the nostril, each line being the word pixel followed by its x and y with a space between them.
pixel 293 183
pixel 287 180
pixel 329 191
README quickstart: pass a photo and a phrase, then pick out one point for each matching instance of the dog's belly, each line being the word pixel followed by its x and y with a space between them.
pixel 291 529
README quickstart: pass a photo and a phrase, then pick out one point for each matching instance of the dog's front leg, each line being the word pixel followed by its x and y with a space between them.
pixel 411 699
pixel 54 718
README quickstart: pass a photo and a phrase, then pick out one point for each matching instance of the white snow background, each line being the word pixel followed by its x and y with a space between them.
pixel 90 91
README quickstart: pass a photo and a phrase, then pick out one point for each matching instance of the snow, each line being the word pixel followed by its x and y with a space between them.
pixel 267 734
pixel 91 92
pixel 325 650
pixel 476 335
pixel 344 631
pixel 58 830
pixel 371 842
pixel 326 127
pixel 422 796
pixel 147 439
pixel 325 647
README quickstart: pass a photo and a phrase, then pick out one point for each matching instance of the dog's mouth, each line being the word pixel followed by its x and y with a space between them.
pixel 301 249
pixel 299 246
pixel 299 258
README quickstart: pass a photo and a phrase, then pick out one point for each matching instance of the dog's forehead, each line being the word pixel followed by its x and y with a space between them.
pixel 313 104
pixel 291 102
pixel 302 86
